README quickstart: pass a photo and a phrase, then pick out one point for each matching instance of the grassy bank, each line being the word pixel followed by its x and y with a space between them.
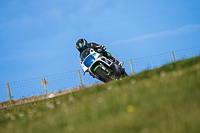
pixel 162 100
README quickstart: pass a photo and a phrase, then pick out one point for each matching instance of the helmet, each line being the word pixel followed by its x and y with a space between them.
pixel 81 45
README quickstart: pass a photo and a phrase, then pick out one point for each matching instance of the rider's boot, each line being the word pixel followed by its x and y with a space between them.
pixel 121 64
pixel 118 62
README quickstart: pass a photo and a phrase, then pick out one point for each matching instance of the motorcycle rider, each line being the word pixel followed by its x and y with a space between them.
pixel 82 44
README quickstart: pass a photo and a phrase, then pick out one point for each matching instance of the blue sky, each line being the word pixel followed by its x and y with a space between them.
pixel 37 38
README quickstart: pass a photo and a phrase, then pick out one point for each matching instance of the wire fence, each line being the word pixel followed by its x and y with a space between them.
pixel 70 80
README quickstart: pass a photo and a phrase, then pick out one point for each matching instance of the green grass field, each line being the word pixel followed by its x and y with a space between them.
pixel 163 100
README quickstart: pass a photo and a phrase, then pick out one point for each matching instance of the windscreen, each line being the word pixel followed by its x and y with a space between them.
pixel 85 53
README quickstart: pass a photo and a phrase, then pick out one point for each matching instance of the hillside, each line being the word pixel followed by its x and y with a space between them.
pixel 163 100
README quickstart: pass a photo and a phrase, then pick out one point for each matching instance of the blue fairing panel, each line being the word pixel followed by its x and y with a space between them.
pixel 89 60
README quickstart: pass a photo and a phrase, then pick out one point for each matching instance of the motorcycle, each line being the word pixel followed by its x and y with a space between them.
pixel 100 67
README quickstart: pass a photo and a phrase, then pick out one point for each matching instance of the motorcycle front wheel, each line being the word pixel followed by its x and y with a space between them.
pixel 102 75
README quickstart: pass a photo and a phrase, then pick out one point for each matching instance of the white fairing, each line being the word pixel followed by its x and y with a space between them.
pixel 84 67
pixel 94 54
pixel 97 57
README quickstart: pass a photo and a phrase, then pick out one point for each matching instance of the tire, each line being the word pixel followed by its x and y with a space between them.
pixel 101 75
pixel 124 74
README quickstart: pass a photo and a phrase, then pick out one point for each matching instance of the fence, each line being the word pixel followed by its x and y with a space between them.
pixel 74 79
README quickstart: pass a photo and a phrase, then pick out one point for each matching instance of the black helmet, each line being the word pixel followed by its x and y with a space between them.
pixel 81 45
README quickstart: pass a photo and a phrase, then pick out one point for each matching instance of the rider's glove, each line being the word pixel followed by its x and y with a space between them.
pixel 103 47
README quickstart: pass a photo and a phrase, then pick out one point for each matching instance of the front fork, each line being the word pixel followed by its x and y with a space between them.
pixel 105 69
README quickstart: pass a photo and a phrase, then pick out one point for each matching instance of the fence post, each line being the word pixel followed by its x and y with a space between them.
pixel 8 89
pixel 131 66
pixel 173 56
pixel 45 87
pixel 80 78
pixel 44 82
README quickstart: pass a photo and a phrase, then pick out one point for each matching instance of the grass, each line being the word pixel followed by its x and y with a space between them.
pixel 161 100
